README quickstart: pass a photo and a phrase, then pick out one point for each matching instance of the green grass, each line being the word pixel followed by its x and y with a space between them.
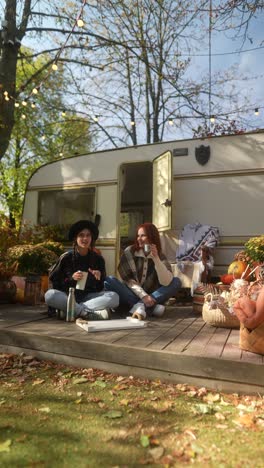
pixel 53 416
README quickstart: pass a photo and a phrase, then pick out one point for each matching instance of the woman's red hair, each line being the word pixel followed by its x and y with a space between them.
pixel 153 236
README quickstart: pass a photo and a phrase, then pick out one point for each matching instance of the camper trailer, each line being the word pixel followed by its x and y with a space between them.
pixel 217 181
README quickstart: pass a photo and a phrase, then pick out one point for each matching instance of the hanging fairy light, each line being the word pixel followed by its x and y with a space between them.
pixel 80 23
pixel 35 90
pixel 171 122
pixel 54 67
pixel 212 118
pixel 63 113
pixel 24 103
pixel 132 123
pixel 33 105
pixel 257 111
pixel 16 104
pixel 23 116
pixel 95 118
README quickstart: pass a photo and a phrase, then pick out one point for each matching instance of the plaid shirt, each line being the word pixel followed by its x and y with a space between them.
pixel 134 268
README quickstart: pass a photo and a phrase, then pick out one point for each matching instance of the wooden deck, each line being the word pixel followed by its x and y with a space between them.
pixel 179 348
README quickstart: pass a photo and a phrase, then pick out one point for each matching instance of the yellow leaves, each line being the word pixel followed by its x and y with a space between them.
pixel 212 398
pixel 44 409
pixel 246 421
pixel 5 446
pixel 37 382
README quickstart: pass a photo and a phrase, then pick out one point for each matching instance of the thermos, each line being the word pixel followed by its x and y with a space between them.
pixel 70 315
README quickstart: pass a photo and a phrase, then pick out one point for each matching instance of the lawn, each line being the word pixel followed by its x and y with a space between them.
pixel 56 416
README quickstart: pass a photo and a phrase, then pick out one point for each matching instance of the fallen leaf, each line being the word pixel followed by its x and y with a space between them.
pixel 245 420
pixel 113 414
pixel 78 401
pixel 99 383
pixel 80 380
pixel 204 409
pixel 38 382
pixel 144 441
pixel 156 452
pixel 124 402
pixel 220 416
pixel 5 446
pixel 211 397
pixel 44 409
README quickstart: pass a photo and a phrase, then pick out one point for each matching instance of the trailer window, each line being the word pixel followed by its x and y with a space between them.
pixel 66 206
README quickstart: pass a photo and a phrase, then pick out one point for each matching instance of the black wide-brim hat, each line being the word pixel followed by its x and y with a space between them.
pixel 83 224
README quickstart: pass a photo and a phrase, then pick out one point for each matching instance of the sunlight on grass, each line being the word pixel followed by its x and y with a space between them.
pixel 52 415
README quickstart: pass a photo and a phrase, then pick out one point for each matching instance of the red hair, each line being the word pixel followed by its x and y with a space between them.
pixel 152 234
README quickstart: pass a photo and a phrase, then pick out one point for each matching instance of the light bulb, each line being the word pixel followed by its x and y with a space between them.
pixel 256 111
pixel 24 103
pixel 23 116
pixel 95 118
pixel 54 66
pixel 132 123
pixel 5 93
pixel 212 118
pixel 63 113
pixel 16 104
pixel 7 98
pixel 170 122
pixel 80 23
pixel 35 90
pixel 33 105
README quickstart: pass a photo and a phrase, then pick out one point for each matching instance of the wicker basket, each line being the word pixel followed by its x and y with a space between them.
pixel 199 295
pixel 218 316
pixel 252 341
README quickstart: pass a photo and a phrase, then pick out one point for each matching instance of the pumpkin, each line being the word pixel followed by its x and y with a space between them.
pixel 237 268
pixel 227 279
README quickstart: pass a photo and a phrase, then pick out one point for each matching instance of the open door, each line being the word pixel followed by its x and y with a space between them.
pixel 162 193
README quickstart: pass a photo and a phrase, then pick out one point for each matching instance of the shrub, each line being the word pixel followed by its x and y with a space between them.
pixel 31 259
pixel 55 247
pixel 254 248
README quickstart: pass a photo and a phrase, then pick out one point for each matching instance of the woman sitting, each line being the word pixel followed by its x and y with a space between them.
pixel 148 281
pixel 92 302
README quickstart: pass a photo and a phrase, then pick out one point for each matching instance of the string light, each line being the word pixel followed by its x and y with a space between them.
pixel 212 118
pixel 170 122
pixel 23 116
pixel 63 113
pixel 24 103
pixel 16 104
pixel 5 93
pixel 80 23
pixel 54 67
pixel 35 90
pixel 7 97
pixel 132 123
pixel 95 118
pixel 43 137
pixel 257 111
pixel 33 105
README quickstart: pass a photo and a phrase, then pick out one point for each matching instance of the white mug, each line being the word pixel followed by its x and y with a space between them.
pixel 147 249
pixel 81 283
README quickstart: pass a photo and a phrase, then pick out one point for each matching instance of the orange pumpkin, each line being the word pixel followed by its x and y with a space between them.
pixel 237 268
pixel 227 279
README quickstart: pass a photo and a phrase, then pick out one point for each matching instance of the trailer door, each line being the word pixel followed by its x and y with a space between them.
pixel 162 193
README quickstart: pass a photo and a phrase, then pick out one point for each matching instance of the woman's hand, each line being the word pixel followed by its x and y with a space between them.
pixel 149 301
pixel 95 273
pixel 154 251
pixel 77 275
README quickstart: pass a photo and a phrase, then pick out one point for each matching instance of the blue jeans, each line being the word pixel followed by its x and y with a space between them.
pixel 126 295
pixel 93 301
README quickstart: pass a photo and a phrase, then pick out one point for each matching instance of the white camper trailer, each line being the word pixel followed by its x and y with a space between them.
pixel 217 181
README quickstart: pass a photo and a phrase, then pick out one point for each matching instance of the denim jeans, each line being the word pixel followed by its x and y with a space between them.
pixel 126 295
pixel 93 301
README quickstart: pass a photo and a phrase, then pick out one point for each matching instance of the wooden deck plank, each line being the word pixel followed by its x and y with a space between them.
pixel 163 341
pixel 216 344
pixel 184 338
pixel 231 349
pixel 197 345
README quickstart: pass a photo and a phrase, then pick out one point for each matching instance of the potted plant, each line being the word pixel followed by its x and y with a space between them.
pixel 7 286
pixel 33 261
pixel 254 248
